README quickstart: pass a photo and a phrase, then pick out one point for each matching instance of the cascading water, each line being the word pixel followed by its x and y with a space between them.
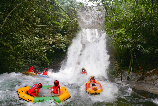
pixel 88 50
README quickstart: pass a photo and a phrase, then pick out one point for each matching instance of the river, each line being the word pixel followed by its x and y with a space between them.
pixel 88 50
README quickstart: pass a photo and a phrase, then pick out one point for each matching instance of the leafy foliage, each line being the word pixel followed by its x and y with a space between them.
pixel 132 28
pixel 34 32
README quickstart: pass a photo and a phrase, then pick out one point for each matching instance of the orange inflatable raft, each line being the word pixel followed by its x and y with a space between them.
pixel 95 88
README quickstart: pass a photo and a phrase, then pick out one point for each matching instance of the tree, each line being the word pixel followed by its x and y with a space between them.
pixel 131 26
pixel 33 30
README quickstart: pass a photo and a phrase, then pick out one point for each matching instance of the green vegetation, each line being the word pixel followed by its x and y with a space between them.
pixel 132 27
pixel 35 32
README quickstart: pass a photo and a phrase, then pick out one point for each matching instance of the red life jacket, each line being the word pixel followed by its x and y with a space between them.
pixel 31 69
pixel 55 89
pixel 83 72
pixel 32 91
pixel 45 72
pixel 92 80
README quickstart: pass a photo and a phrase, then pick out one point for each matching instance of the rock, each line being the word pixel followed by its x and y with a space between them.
pixel 148 87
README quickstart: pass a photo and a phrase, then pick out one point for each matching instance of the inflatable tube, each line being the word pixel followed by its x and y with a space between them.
pixel 22 93
pixel 93 88
pixel 45 76
pixel 84 73
pixel 29 73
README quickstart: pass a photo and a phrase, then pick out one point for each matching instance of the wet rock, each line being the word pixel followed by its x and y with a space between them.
pixel 147 87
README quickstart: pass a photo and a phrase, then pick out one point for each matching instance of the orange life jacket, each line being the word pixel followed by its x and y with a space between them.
pixel 32 91
pixel 55 89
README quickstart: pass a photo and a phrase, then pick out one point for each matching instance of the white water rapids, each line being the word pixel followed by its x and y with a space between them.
pixel 88 50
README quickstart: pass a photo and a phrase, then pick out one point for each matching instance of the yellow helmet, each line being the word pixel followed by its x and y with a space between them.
pixel 92 76
pixel 83 68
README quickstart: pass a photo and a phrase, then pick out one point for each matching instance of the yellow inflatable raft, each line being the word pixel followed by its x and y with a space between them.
pixel 29 73
pixel 95 88
pixel 22 92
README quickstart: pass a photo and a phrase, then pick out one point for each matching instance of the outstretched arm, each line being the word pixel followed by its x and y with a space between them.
pixel 58 91
pixel 37 93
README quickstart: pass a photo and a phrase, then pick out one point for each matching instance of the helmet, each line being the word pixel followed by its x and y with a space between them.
pixel 56 82
pixel 39 85
pixel 45 68
pixel 83 68
pixel 92 76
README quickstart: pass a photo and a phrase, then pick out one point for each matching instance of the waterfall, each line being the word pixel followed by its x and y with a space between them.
pixel 88 48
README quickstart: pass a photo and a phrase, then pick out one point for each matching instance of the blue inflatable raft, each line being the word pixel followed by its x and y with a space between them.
pixel 46 76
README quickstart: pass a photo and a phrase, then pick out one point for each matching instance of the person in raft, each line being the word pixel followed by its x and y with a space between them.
pixel 93 82
pixel 34 90
pixel 45 72
pixel 31 69
pixel 84 71
pixel 55 90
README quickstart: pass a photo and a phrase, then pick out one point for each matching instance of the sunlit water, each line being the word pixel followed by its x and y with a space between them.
pixel 88 50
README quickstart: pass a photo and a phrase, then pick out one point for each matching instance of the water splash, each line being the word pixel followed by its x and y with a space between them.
pixel 88 50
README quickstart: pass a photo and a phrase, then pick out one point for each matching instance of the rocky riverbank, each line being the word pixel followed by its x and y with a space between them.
pixel 148 87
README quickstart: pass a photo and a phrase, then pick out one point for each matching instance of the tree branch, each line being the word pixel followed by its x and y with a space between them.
pixel 9 15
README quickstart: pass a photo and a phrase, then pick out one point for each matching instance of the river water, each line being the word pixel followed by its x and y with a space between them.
pixel 88 50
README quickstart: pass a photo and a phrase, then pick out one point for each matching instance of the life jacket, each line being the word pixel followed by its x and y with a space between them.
pixel 92 80
pixel 31 69
pixel 83 72
pixel 32 91
pixel 45 72
pixel 55 89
